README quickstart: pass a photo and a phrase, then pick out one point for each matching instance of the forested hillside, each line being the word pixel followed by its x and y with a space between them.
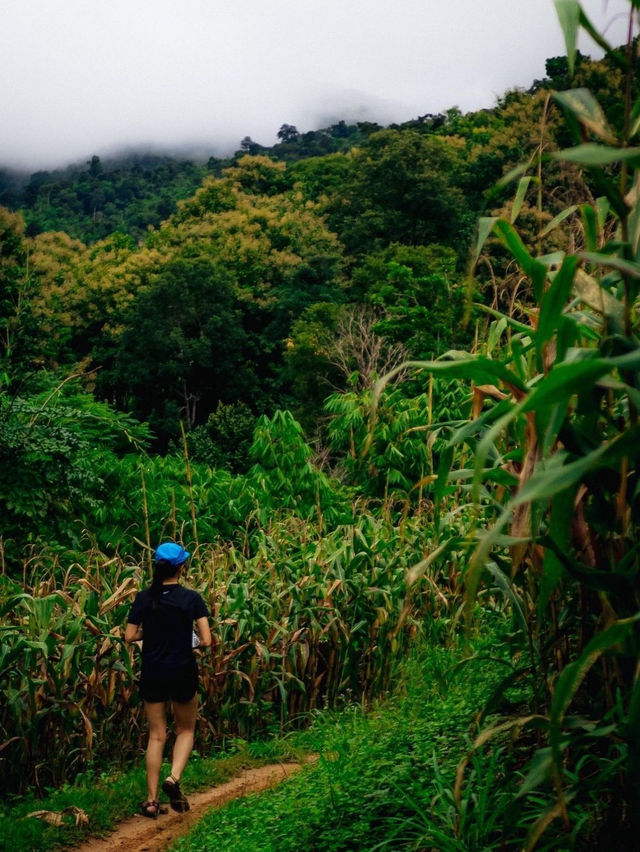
pixel 383 383
pixel 283 240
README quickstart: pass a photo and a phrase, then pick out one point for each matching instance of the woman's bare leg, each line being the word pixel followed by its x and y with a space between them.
pixel 157 718
pixel 185 716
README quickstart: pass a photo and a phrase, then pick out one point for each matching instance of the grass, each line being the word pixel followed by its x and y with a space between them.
pixel 108 799
pixel 384 779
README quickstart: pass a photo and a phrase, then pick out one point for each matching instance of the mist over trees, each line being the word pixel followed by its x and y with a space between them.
pixel 180 286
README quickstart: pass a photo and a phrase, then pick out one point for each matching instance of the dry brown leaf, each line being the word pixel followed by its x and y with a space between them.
pixel 57 817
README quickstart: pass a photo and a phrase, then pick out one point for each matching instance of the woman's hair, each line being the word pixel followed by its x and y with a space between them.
pixel 162 571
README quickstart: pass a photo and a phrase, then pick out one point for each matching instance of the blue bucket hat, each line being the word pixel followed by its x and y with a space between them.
pixel 172 553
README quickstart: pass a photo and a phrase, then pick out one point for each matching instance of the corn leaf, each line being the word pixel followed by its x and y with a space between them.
pixel 456 365
pixel 554 301
pixel 416 571
pixel 592 155
pixel 602 207
pixel 536 271
pixel 608 189
pixel 523 186
pixel 590 223
pixel 513 173
pixel 575 376
pixel 485 226
pixel 635 119
pixel 619 58
pixel 568 12
pixel 553 567
pixel 586 109
pixel 557 220
pixel 539 772
pixel 589 291
pixel 520 327
pixel 608 582
pixel 507 588
pixel 628 267
pixel 547 481
pixel 480 556
pixel 574 674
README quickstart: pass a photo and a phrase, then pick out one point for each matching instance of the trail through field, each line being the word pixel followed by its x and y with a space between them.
pixel 140 834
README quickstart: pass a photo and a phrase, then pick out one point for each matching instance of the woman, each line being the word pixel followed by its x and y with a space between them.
pixel 163 616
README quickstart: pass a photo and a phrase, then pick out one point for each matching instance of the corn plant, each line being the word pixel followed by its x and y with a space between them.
pixel 302 619
pixel 63 674
pixel 556 458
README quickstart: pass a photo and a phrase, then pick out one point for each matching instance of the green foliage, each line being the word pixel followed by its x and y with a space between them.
pixel 295 146
pixel 92 203
pixel 281 481
pixel 105 798
pixel 302 617
pixel 225 439
pixel 181 347
pixel 59 665
pixel 425 313
pixel 382 781
pixel 320 177
pixel 108 797
pixel 153 492
pixel 18 326
pixel 404 188
pixel 284 476
pixel 391 196
pixel 272 257
pixel 309 369
pixel 421 260
pixel 255 295
pixel 259 175
pixel 54 443
pixel 391 449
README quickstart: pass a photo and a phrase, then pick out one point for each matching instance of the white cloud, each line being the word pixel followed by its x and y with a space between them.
pixel 85 76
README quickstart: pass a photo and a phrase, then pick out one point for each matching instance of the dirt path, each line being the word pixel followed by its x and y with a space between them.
pixel 140 834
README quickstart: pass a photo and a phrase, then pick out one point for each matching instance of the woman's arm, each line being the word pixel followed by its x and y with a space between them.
pixel 133 632
pixel 204 632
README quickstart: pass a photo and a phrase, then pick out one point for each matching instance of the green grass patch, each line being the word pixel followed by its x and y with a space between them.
pixel 384 779
pixel 108 799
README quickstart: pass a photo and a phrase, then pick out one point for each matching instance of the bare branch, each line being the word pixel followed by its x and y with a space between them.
pixel 357 348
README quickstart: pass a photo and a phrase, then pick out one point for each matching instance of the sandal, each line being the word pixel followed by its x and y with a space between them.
pixel 150 809
pixel 177 799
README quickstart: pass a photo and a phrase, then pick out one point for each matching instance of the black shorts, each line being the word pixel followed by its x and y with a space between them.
pixel 178 685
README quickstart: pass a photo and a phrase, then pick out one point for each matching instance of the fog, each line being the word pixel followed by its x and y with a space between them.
pixel 89 76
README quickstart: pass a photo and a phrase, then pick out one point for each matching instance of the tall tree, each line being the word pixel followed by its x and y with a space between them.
pixel 288 133
pixel 18 326
pixel 403 187
pixel 181 350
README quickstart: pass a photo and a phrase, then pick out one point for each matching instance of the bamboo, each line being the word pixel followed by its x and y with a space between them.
pixel 147 532
pixel 194 524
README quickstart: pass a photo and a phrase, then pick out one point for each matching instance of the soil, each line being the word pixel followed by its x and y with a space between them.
pixel 140 834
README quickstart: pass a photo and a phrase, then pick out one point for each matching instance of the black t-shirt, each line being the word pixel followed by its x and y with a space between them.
pixel 167 628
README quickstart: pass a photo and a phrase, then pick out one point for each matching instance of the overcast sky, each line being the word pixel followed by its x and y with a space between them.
pixel 79 77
